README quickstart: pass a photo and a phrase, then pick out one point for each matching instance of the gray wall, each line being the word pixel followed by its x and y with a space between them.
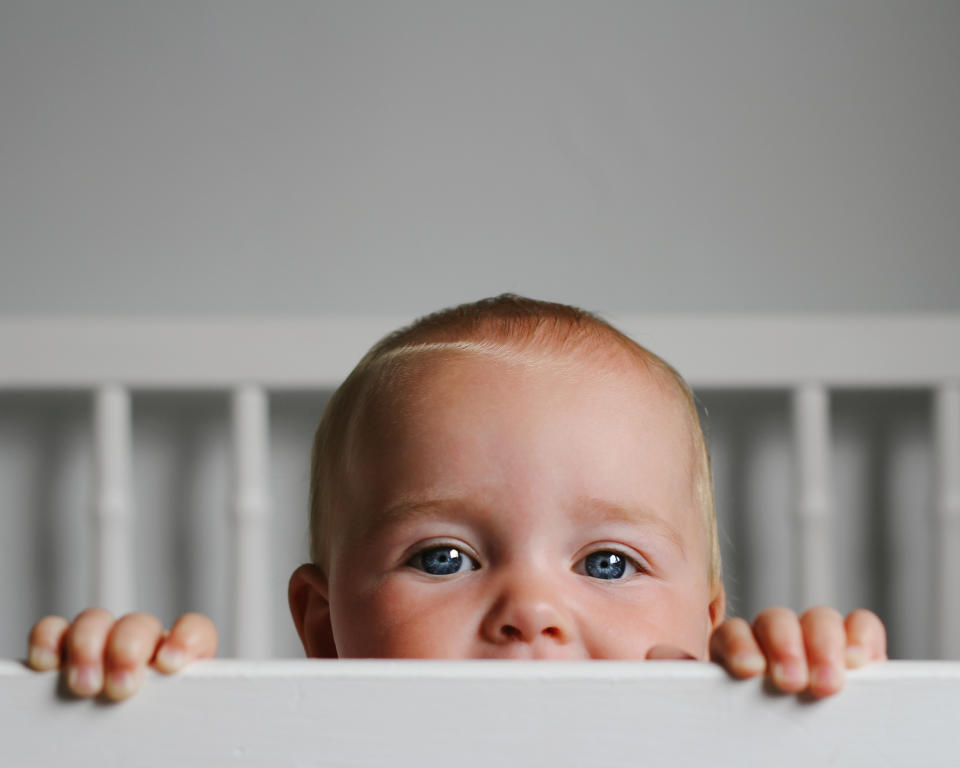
pixel 235 157
pixel 309 157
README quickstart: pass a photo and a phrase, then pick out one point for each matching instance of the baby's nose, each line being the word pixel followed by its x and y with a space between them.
pixel 528 615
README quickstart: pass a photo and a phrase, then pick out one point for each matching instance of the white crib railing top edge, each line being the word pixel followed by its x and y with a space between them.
pixel 712 351
pixel 373 713
pixel 492 670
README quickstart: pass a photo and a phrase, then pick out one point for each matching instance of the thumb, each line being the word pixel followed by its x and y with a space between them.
pixel 669 653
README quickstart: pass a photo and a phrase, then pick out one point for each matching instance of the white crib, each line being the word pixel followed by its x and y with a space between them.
pixel 326 713
pixel 809 356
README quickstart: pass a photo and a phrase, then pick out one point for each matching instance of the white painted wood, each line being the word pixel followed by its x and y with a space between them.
pixel 114 587
pixel 251 582
pixel 481 713
pixel 711 351
pixel 947 523
pixel 814 526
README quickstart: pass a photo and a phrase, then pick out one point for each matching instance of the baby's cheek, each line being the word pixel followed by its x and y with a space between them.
pixel 405 617
pixel 687 626
pixel 661 616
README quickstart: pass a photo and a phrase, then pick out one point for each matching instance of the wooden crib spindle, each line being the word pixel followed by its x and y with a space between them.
pixel 947 524
pixel 113 559
pixel 252 582
pixel 811 429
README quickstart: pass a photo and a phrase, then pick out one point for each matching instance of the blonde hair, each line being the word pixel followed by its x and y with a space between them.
pixel 507 326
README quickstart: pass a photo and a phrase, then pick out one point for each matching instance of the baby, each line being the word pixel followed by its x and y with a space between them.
pixel 505 479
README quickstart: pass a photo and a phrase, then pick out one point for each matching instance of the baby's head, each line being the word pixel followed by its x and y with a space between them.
pixel 509 479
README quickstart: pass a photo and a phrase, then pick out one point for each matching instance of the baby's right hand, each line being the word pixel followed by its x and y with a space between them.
pixel 102 655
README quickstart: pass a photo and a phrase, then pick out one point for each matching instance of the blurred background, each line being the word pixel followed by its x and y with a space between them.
pixel 236 158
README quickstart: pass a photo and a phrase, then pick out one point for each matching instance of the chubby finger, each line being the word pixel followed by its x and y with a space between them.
pixel 130 646
pixel 780 638
pixel 734 646
pixel 825 640
pixel 45 644
pixel 866 638
pixel 669 653
pixel 193 636
pixel 83 648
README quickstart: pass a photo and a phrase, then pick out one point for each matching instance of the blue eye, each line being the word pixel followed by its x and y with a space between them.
pixel 443 560
pixel 606 564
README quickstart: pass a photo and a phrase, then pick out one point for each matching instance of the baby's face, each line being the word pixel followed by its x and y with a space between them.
pixel 511 510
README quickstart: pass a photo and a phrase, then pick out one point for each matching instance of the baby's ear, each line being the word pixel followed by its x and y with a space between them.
pixel 718 607
pixel 310 607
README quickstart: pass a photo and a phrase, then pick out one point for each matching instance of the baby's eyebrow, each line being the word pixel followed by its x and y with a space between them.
pixel 594 510
pixel 412 510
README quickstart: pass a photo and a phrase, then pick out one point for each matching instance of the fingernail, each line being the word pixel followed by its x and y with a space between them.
pixel 751 662
pixel 84 680
pixel 170 659
pixel 825 678
pixel 787 673
pixel 856 657
pixel 122 684
pixel 42 658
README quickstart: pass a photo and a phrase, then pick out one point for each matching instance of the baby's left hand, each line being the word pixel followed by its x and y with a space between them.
pixel 807 654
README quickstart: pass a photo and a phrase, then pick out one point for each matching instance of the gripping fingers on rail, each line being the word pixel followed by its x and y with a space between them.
pixel 83 646
pixel 866 638
pixel 45 644
pixel 781 639
pixel 102 655
pixel 825 640
pixel 734 645
pixel 193 636
pixel 130 645
pixel 98 654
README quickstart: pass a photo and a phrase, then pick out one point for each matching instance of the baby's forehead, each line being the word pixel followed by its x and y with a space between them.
pixel 425 379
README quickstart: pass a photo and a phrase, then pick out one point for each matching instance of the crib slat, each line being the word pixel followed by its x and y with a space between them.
pixel 251 583
pixel 947 525
pixel 811 429
pixel 113 557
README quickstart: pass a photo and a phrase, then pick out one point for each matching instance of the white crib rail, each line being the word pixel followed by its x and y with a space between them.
pixel 112 508
pixel 410 713
pixel 251 571
pixel 811 429
pixel 947 528
pixel 808 355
